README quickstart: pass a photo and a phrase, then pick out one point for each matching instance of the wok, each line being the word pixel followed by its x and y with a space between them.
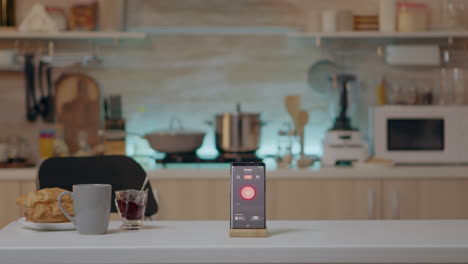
pixel 175 140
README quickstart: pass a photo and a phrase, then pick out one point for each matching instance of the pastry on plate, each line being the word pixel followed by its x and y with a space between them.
pixel 42 206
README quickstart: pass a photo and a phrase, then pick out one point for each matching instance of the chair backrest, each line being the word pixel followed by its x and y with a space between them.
pixel 121 172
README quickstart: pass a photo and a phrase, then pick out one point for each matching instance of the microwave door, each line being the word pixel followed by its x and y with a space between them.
pixel 415 135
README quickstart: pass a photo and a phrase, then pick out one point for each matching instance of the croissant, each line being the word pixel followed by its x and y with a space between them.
pixel 42 206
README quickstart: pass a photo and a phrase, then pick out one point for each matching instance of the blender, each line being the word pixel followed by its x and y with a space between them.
pixel 343 144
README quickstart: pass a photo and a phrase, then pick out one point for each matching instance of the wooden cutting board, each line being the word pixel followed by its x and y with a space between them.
pixel 78 108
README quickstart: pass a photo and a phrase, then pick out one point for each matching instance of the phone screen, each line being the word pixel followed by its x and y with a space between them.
pixel 248 195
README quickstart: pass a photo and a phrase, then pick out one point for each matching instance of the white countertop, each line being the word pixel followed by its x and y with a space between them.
pixel 184 173
pixel 208 242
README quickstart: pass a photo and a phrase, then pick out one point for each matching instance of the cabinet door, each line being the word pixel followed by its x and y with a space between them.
pixel 426 199
pixel 192 199
pixel 351 199
pixel 324 199
pixel 9 211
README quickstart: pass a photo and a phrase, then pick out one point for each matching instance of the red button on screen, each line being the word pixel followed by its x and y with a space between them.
pixel 247 192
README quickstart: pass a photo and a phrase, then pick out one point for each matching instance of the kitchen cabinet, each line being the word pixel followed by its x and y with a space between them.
pixel 323 199
pixel 425 199
pixel 286 199
pixel 192 199
pixel 9 191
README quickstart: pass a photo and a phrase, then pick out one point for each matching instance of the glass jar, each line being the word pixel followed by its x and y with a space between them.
pixel 412 17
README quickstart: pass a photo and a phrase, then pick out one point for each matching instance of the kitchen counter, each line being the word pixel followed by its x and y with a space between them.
pixel 207 172
pixel 208 242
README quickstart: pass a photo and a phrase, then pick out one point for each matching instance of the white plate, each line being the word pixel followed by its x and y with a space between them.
pixel 47 226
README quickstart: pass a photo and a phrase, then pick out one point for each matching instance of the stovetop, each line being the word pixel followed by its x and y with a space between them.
pixel 221 158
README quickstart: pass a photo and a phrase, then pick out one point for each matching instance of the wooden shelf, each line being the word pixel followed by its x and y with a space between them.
pixel 382 35
pixel 71 35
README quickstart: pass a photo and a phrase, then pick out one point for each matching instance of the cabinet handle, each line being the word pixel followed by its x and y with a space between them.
pixel 371 215
pixel 396 204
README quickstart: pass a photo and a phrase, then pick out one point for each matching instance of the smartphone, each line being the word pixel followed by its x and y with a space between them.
pixel 248 195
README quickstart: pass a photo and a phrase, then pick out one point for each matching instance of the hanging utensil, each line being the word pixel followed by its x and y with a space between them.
pixel 49 115
pixel 43 102
pixel 32 109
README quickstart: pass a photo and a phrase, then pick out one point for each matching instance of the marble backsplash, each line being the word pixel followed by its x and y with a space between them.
pixel 194 77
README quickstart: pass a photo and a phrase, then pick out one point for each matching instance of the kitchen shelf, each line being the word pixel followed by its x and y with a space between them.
pixel 71 35
pixel 217 30
pixel 382 35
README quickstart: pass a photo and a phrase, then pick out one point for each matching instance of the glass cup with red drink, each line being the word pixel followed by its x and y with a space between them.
pixel 131 205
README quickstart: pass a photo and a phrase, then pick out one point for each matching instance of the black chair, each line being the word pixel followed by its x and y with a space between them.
pixel 119 171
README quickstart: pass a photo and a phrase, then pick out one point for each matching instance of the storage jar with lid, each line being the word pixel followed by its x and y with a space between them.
pixel 413 17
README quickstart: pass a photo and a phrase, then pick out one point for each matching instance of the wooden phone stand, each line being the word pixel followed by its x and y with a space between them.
pixel 248 233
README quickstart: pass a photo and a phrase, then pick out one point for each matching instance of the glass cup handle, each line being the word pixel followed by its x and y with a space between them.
pixel 59 200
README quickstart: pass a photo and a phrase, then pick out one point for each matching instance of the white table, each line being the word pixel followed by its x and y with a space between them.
pixel 208 242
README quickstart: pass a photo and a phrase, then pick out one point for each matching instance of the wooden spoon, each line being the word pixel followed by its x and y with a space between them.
pixel 293 105
pixel 302 120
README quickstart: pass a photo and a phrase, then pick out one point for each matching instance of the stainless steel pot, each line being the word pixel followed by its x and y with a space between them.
pixel 238 132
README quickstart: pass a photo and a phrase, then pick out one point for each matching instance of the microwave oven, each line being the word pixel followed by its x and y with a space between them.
pixel 420 134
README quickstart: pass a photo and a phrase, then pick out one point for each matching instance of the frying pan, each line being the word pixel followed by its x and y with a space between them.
pixel 175 140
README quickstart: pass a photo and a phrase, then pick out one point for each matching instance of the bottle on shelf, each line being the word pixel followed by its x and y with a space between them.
pixel 382 93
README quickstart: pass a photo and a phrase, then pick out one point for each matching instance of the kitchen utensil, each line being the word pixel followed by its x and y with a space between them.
pixel 293 106
pixel 238 132
pixel 49 116
pixel 131 205
pixel 92 204
pixel 46 226
pixel 176 139
pixel 302 120
pixel 77 104
pixel 46 101
pixel 32 109
pixel 318 75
